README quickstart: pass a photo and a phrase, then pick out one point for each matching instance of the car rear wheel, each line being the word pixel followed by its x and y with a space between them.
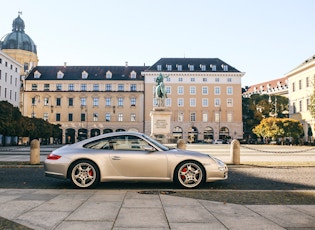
pixel 189 174
pixel 84 174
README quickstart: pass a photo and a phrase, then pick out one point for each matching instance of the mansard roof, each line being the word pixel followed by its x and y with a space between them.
pixel 94 72
pixel 185 63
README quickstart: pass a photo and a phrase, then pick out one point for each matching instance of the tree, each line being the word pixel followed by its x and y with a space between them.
pixel 274 128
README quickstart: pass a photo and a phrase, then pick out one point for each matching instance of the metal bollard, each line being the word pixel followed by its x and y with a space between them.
pixel 235 152
pixel 35 152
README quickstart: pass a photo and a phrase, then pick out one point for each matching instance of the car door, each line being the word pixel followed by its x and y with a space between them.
pixel 130 158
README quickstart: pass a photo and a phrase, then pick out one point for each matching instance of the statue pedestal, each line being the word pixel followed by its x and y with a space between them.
pixel 160 124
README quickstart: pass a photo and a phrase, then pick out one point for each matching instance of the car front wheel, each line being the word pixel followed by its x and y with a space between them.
pixel 84 174
pixel 189 174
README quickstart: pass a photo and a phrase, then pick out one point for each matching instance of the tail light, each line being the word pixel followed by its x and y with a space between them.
pixel 53 157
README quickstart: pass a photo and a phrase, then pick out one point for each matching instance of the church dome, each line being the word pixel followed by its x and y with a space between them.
pixel 18 39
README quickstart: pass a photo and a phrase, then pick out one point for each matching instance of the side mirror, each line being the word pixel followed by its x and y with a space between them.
pixel 149 148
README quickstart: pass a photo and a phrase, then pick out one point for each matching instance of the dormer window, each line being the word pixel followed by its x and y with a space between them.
pixel 213 67
pixel 191 67
pixel 84 75
pixel 179 67
pixel 37 74
pixel 133 75
pixel 203 67
pixel 169 67
pixel 108 74
pixel 60 74
pixel 159 67
pixel 225 67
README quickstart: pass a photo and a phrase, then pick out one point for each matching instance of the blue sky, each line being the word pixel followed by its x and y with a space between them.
pixel 263 38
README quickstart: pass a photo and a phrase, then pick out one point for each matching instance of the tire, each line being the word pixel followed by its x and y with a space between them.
pixel 84 174
pixel 189 174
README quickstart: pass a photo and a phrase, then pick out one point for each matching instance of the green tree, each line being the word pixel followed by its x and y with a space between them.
pixel 273 128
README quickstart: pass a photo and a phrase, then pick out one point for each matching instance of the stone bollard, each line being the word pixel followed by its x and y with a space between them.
pixel 181 144
pixel 35 152
pixel 235 152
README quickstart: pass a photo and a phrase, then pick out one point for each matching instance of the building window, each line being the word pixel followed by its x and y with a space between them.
pixel 205 102
pixel 83 101
pixel 193 116
pixel 159 67
pixel 46 100
pixel 95 116
pixel 203 67
pixel 180 79
pixel 300 106
pixel 84 75
pixel 205 117
pixel 179 67
pixel 229 90
pixel 180 90
pixel 180 102
pixel 58 87
pixel 192 102
pixel 108 75
pixel 107 101
pixel 83 87
pixel 308 104
pixel 46 87
pixel 70 117
pixel 107 117
pixel 192 90
pixel 133 101
pixel 225 67
pixel 34 87
pixel 307 81
pixel 168 90
pixel 71 87
pixel 58 101
pixel 95 101
pixel 120 117
pixel 192 79
pixel 133 75
pixel 57 116
pixel 293 107
pixel 120 101
pixel 82 116
pixel 168 102
pixel 120 87
pixel 60 75
pixel 70 101
pixel 169 67
pixel 132 117
pixel 45 117
pixel 204 90
pixel 217 79
pixel 229 102
pixel 108 87
pixel 191 67
pixel 217 90
pixel 95 87
pixel 213 67
pixel 205 79
pixel 217 102
pixel 293 87
pixel 133 87
pixel 300 84
pixel 229 79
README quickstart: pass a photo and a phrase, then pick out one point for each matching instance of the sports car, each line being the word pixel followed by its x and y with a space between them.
pixel 131 156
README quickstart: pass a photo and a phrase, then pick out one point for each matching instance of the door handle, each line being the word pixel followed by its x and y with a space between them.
pixel 115 158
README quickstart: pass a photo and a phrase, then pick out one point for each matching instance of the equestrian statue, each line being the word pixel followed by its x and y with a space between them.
pixel 160 91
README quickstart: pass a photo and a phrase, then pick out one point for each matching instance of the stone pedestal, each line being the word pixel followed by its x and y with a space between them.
pixel 160 124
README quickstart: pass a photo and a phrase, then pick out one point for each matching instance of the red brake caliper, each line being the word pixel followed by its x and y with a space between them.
pixel 91 172
pixel 182 176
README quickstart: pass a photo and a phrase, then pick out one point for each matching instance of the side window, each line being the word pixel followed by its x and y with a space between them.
pixel 129 142
pixel 104 143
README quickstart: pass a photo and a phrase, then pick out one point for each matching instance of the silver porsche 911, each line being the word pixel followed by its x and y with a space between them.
pixel 126 156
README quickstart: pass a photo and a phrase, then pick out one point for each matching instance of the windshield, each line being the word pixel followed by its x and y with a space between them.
pixel 156 143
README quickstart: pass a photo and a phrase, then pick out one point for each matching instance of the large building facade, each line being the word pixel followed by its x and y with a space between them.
pixel 204 97
pixel 86 100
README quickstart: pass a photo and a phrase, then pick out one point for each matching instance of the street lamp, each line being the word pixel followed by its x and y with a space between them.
pixel 275 114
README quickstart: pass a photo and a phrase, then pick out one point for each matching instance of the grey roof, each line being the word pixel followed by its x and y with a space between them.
pixel 94 72
pixel 197 62
pixel 18 39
